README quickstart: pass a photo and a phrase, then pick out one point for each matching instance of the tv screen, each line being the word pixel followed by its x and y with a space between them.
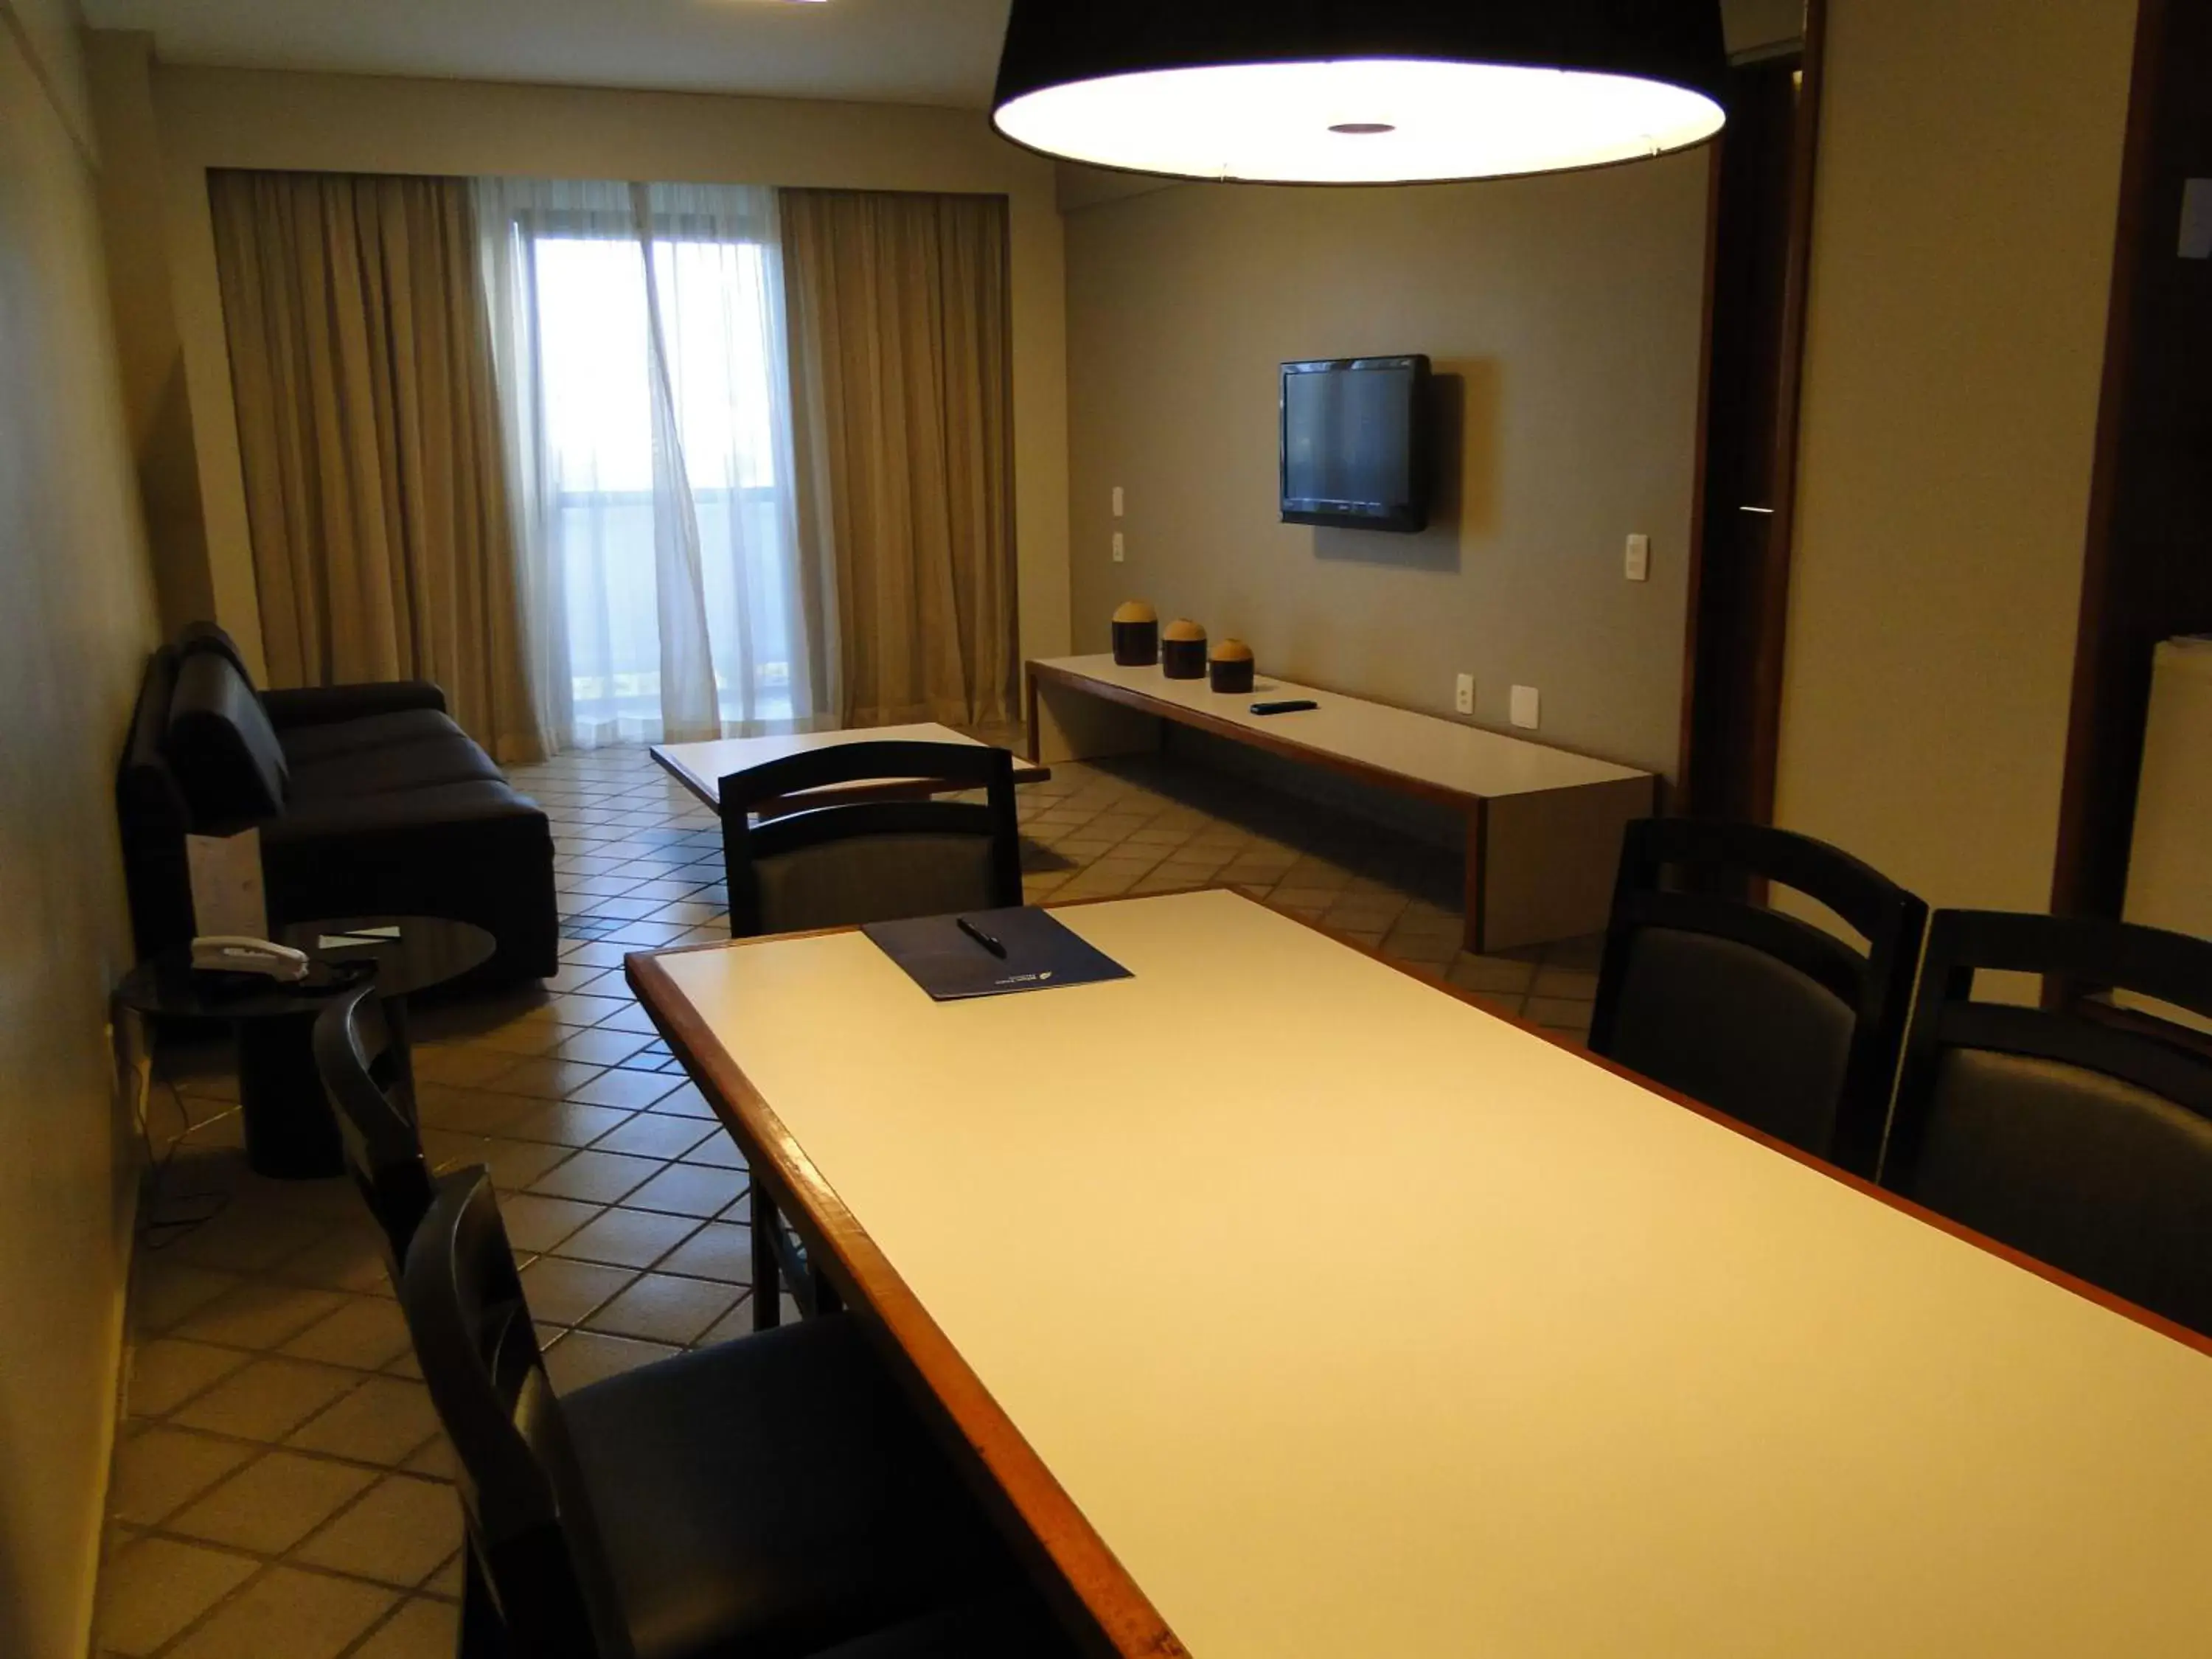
pixel 1355 442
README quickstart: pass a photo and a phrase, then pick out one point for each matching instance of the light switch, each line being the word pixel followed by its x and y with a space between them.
pixel 1120 548
pixel 1639 558
pixel 1117 501
pixel 1526 709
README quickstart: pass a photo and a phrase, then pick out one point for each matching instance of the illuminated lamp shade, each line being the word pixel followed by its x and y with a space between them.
pixel 1359 92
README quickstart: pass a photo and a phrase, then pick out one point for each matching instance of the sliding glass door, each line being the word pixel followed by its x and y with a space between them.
pixel 644 372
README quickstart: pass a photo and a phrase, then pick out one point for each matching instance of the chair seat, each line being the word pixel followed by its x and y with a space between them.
pixel 775 1495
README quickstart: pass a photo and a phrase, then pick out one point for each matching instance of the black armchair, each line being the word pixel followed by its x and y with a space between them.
pixel 1749 1009
pixel 2081 1136
pixel 771 1495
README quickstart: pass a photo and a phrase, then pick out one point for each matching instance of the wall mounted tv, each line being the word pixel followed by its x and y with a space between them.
pixel 1355 449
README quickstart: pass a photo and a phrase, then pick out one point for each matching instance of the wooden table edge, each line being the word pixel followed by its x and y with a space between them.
pixel 1093 1575
pixel 1381 777
pixel 1108 1593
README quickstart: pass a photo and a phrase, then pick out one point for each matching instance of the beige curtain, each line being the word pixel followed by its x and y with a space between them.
pixel 901 432
pixel 376 492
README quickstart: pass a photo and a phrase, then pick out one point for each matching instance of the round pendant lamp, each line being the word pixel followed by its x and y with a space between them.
pixel 1359 92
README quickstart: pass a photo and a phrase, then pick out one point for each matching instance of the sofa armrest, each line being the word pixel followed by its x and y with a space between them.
pixel 320 705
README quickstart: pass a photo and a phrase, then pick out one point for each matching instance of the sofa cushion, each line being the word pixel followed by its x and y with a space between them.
pixel 221 746
pixel 304 745
pixel 396 767
pixel 320 818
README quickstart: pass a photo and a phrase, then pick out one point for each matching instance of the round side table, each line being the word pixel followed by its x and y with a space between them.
pixel 290 1131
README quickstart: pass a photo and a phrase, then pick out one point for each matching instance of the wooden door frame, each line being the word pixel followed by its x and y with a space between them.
pixel 1773 609
pixel 2144 577
pixel 2104 737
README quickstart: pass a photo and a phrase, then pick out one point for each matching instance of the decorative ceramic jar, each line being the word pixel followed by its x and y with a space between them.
pixel 1183 650
pixel 1136 635
pixel 1230 667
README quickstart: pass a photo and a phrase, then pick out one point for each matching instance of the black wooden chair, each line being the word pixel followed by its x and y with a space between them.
pixel 844 864
pixel 869 861
pixel 2083 1138
pixel 362 1055
pixel 771 1496
pixel 1757 1014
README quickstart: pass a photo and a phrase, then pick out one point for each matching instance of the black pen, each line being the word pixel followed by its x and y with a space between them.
pixel 980 937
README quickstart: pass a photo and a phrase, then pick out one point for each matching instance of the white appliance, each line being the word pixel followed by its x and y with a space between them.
pixel 2170 867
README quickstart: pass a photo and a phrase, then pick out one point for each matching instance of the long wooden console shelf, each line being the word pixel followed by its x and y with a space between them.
pixel 1543 826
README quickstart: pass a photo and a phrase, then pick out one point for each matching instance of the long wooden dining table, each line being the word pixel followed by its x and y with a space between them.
pixel 1288 1303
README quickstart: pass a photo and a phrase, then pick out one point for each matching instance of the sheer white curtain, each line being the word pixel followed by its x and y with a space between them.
pixel 639 336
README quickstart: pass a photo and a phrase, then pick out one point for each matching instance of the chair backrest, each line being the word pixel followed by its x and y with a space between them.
pixel 1780 1024
pixel 364 1070
pixel 2084 1140
pixel 534 1546
pixel 838 865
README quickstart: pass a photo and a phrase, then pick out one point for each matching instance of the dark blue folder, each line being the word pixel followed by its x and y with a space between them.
pixel 952 965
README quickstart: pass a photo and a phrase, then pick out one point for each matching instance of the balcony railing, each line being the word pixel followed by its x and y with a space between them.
pixel 605 539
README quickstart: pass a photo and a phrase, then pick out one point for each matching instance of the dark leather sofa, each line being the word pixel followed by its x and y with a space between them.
pixel 368 798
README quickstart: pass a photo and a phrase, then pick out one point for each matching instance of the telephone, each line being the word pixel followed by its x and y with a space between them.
pixel 233 953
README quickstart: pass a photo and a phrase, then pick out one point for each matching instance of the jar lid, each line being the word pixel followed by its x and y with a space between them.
pixel 1136 611
pixel 1183 629
pixel 1232 651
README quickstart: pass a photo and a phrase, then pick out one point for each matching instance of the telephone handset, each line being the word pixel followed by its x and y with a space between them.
pixel 235 953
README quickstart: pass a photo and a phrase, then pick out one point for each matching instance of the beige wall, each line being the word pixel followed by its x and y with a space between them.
pixel 118 70
pixel 243 118
pixel 75 621
pixel 1962 254
pixel 1569 311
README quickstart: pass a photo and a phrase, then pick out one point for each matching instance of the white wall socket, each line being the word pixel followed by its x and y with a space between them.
pixel 1117 501
pixel 1526 707
pixel 1639 558
pixel 1120 548
pixel 1463 694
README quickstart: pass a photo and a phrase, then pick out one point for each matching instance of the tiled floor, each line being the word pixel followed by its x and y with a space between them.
pixel 280 1485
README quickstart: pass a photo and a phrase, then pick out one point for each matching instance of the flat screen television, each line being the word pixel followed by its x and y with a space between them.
pixel 1355 449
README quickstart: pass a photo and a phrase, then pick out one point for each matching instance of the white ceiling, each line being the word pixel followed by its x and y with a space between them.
pixel 899 52
pixel 907 52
